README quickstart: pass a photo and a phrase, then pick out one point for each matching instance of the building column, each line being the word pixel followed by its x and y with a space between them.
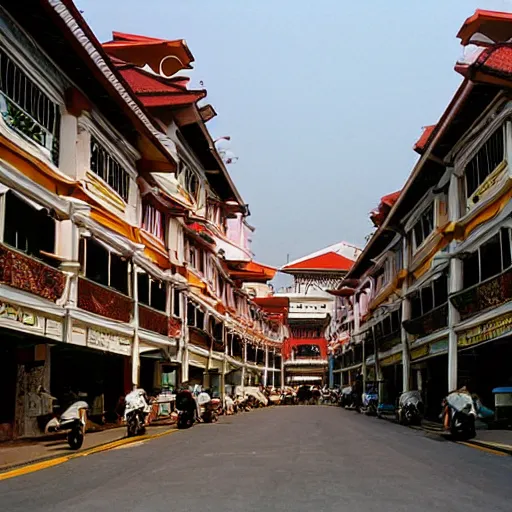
pixel 184 339
pixel 135 344
pixel 331 371
pixel 244 359
pixel 406 315
pixel 454 285
pixel 265 373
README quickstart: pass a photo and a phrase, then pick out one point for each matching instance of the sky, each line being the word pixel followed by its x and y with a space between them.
pixel 323 99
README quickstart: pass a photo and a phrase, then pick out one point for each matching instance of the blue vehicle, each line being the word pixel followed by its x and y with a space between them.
pixel 370 400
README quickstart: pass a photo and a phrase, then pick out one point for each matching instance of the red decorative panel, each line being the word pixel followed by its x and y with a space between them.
pixel 174 327
pixel 103 301
pixel 152 320
pixel 28 274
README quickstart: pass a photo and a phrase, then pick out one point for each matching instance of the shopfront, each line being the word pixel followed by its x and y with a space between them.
pixel 485 356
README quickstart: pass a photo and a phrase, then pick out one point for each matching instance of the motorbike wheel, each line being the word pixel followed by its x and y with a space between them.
pixel 184 421
pixel 75 438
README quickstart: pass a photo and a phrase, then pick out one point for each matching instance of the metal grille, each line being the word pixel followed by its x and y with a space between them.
pixel 27 109
pixel 109 169
pixel 489 156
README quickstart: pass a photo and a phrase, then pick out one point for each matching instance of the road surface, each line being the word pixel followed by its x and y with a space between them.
pixel 302 458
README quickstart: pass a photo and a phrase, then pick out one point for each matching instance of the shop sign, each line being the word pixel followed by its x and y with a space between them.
pixel 16 314
pixel 438 347
pixel 394 359
pixel 419 352
pixel 486 331
pixel 108 342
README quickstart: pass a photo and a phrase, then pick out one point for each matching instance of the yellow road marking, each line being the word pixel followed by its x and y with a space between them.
pixel 483 448
pixel 37 466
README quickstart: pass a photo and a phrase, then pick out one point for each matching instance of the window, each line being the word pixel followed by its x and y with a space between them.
pixel 27 228
pixel 307 351
pixel 192 255
pixel 176 303
pixel 119 273
pixel 191 314
pixel 188 180
pixel 26 109
pixel 487 159
pixel 153 221
pixel 151 292
pixel 489 260
pixel 429 297
pixel 424 226
pixel 105 267
pixel 109 169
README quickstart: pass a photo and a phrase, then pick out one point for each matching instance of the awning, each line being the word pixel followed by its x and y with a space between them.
pixel 197 360
pixel 4 189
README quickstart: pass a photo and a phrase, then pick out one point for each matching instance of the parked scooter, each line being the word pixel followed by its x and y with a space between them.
pixel 370 402
pixel 207 407
pixel 73 419
pixel 459 414
pixel 187 408
pixel 136 411
pixel 410 408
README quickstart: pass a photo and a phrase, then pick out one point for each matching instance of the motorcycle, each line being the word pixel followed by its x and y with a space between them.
pixel 370 402
pixel 187 409
pixel 208 407
pixel 410 408
pixel 136 411
pixel 73 419
pixel 346 398
pixel 459 414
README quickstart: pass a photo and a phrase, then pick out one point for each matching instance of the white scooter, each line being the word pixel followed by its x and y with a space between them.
pixel 136 411
pixel 73 419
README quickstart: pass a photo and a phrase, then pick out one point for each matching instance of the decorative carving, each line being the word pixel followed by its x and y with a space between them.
pixel 153 320
pixel 103 301
pixel 428 323
pixel 489 294
pixel 30 275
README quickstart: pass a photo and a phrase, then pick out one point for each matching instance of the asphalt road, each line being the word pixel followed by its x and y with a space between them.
pixel 279 459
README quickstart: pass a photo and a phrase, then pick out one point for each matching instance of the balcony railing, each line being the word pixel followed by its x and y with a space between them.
pixel 428 323
pixel 491 293
pixel 153 320
pixel 103 301
pixel 26 109
pixel 30 275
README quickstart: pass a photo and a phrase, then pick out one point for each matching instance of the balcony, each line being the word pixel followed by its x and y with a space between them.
pixel 30 275
pixel 434 320
pixel 488 294
pixel 153 320
pixel 103 301
pixel 306 361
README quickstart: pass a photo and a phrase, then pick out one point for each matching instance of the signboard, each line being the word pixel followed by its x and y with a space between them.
pixel 394 359
pixel 108 342
pixel 486 331
pixel 419 352
pixel 439 347
pixel 16 314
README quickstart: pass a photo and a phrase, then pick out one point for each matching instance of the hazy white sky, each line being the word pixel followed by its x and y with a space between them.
pixel 323 99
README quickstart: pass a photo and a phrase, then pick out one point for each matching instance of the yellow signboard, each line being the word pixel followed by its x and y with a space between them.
pixel 420 352
pixel 394 359
pixel 486 331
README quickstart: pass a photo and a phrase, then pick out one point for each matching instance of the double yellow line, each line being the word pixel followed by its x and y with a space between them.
pixel 37 466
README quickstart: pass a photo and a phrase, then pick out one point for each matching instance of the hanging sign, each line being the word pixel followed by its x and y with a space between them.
pixel 394 359
pixel 486 331
pixel 419 352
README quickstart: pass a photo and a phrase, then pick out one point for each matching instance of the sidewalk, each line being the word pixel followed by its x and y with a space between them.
pixel 500 440
pixel 20 453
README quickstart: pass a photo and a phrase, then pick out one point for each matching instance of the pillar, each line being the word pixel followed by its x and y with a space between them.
pixel 454 285
pixel 265 373
pixel 406 315
pixel 135 344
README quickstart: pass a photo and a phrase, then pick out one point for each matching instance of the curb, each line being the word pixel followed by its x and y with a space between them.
pixel 491 447
pixel 37 465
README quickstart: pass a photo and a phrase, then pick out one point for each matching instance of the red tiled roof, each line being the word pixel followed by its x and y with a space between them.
pixel 495 60
pixel 493 24
pixel 423 141
pixel 326 261
pixel 380 213
pixel 156 91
